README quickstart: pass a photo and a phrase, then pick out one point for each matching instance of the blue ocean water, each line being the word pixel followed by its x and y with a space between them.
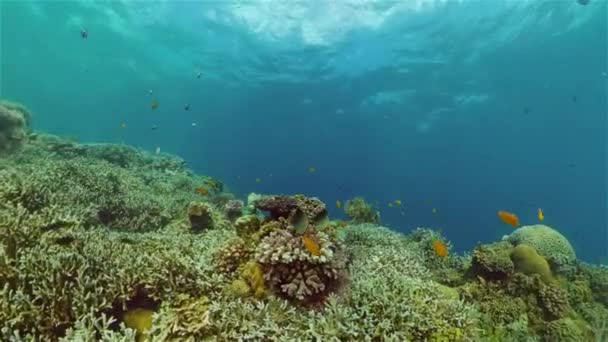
pixel 465 107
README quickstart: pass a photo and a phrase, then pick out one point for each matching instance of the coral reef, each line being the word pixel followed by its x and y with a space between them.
pixel 528 261
pixel 233 209
pixel 199 215
pixel 493 261
pixel 290 269
pixel 597 278
pixel 14 126
pixel 97 243
pixel 549 243
pixel 360 211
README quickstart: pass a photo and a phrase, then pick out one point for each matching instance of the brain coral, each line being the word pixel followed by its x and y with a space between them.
pixel 14 121
pixel 548 242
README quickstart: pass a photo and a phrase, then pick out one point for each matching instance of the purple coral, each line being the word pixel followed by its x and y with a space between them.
pixel 279 206
pixel 233 209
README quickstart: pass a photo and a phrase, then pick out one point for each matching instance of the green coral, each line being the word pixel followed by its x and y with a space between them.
pixel 567 330
pixel 493 261
pixel 14 126
pixel 528 261
pixel 549 243
pixel 598 281
pixel 360 211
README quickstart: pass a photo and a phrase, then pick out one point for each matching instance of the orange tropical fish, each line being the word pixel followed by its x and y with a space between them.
pixel 508 218
pixel 311 244
pixel 441 250
pixel 201 190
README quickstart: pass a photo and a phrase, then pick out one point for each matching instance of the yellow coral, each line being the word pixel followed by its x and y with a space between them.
pixel 140 320
pixel 240 288
pixel 528 261
pixel 253 274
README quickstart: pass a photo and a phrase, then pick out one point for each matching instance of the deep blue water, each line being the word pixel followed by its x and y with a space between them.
pixel 464 106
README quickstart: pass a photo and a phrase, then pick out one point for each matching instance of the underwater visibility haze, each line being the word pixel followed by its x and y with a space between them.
pixel 237 140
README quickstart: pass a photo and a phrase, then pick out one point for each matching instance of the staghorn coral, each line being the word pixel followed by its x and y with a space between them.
pixel 360 211
pixel 549 243
pixel 186 319
pixel 231 256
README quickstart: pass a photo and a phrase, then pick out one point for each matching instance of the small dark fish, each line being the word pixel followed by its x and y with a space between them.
pixel 186 107
pixel 583 2
pixel 526 110
pixel 84 33
pixel 199 74
pixel 154 127
pixel 571 165
pixel 574 99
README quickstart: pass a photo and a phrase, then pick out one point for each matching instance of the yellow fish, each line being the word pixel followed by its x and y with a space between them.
pixel 154 104
pixel 312 169
pixel 123 125
pixel 398 202
pixel 540 214
pixel 257 180
pixel 338 204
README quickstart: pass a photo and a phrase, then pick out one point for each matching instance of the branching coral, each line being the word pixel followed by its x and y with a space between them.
pixel 231 256
pixel 290 269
